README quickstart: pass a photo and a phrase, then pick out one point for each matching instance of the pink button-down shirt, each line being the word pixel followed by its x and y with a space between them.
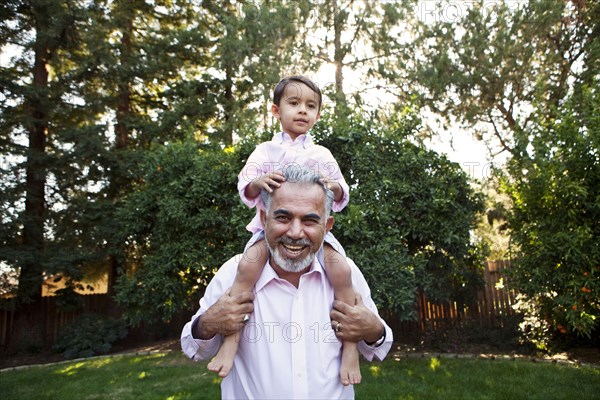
pixel 287 348
pixel 272 156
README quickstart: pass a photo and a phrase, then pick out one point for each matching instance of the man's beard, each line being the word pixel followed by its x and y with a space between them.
pixel 286 264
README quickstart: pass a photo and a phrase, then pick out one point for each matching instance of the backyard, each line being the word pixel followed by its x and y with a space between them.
pixel 162 372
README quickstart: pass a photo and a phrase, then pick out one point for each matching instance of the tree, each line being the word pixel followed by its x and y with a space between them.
pixel 182 221
pixel 555 218
pixel 407 226
pixel 342 33
pixel 31 104
pixel 247 68
pixel 523 77
pixel 489 66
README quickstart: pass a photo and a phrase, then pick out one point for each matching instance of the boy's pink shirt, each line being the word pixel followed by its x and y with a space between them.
pixel 272 156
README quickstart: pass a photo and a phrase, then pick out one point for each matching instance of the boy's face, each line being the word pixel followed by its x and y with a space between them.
pixel 298 110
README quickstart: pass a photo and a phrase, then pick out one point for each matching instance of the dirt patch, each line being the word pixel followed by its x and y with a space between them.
pixel 581 355
pixel 49 357
pixel 578 355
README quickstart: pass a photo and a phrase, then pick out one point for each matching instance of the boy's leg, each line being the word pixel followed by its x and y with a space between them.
pixel 248 272
pixel 340 275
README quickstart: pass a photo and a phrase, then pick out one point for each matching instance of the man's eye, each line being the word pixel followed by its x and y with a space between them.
pixel 312 106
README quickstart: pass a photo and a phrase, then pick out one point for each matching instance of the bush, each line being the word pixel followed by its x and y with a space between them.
pixel 89 335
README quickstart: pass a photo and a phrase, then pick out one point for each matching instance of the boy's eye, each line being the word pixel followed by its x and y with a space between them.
pixel 312 106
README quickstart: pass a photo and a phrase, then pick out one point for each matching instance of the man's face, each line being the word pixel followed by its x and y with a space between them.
pixel 296 225
pixel 298 109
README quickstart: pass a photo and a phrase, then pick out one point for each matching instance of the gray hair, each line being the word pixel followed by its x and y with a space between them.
pixel 295 173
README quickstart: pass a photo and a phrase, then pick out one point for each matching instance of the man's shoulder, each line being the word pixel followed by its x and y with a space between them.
pixel 229 267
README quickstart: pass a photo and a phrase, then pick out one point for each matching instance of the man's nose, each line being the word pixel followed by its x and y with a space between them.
pixel 295 230
pixel 302 108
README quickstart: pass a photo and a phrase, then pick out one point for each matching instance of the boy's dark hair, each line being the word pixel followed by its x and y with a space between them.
pixel 280 88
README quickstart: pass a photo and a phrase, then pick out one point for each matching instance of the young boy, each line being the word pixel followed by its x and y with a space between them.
pixel 297 104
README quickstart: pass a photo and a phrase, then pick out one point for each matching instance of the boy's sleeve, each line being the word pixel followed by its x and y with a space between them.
pixel 252 170
pixel 339 205
pixel 334 173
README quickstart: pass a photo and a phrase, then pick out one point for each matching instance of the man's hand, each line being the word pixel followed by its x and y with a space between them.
pixel 355 323
pixel 225 317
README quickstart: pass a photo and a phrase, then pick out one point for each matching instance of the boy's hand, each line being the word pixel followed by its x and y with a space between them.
pixel 334 186
pixel 269 182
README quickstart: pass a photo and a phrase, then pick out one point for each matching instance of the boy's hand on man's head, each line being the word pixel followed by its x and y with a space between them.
pixel 269 182
pixel 334 186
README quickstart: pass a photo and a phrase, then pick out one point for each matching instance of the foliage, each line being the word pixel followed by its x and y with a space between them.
pixel 182 221
pixel 97 95
pixel 98 84
pixel 554 220
pixel 410 214
pixel 89 335
pixel 488 65
pixel 492 228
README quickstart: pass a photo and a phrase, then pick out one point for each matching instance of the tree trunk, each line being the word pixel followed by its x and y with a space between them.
pixel 29 292
pixel 30 279
pixel 122 134
pixel 338 59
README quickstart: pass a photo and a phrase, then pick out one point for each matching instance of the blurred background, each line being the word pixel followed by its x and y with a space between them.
pixel 468 132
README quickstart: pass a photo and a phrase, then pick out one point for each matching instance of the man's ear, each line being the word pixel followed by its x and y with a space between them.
pixel 263 217
pixel 328 224
pixel 275 110
pixel 318 116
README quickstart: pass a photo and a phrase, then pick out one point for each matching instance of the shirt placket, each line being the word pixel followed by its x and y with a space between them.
pixel 298 349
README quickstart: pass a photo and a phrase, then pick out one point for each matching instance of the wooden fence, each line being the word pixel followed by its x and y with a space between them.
pixel 493 303
pixel 22 327
pixel 490 308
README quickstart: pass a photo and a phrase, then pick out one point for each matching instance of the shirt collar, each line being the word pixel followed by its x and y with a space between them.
pixel 269 274
pixel 282 137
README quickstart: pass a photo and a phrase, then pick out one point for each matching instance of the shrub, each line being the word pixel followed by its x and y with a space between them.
pixel 88 335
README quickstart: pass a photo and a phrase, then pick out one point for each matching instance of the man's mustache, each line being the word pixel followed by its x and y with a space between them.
pixel 294 242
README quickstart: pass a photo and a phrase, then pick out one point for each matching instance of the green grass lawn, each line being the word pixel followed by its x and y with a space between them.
pixel 171 376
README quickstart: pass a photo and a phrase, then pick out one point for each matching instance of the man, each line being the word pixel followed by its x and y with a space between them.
pixel 291 342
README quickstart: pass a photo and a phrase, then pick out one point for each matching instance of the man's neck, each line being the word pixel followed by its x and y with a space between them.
pixel 291 277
